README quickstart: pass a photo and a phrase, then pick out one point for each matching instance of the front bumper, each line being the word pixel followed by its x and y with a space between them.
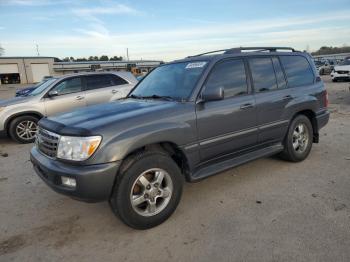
pixel 94 183
pixel 335 75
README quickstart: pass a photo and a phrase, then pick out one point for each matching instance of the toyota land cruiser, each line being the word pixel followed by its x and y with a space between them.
pixel 185 121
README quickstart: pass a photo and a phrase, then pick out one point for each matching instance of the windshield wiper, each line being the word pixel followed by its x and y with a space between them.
pixel 169 98
pixel 135 96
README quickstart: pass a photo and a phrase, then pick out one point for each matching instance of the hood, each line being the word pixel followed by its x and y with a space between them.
pixel 342 67
pixel 14 101
pixel 92 119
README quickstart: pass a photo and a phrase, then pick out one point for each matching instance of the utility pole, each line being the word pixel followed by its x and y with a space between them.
pixel 127 54
pixel 37 50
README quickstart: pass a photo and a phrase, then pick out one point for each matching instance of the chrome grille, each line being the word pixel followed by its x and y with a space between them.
pixel 47 142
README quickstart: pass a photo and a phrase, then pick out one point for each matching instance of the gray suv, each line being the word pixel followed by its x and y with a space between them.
pixel 185 121
pixel 19 115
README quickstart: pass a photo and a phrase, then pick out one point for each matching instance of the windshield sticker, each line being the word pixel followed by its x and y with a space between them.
pixel 195 65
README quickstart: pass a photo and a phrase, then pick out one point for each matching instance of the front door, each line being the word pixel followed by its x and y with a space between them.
pixel 69 95
pixel 227 125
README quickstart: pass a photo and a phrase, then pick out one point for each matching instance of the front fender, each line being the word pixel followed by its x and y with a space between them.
pixel 118 147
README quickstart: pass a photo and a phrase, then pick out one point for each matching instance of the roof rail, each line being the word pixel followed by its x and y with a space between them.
pixel 240 49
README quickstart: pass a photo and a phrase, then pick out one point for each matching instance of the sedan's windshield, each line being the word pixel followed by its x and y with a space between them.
pixel 345 62
pixel 42 87
pixel 175 81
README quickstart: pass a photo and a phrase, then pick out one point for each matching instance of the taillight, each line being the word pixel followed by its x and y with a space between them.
pixel 326 101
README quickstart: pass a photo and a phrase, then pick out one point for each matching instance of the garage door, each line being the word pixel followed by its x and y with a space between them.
pixel 9 69
pixel 39 71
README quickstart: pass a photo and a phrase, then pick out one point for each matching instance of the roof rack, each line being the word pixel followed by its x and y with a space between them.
pixel 240 49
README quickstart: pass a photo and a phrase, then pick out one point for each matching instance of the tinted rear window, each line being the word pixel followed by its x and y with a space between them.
pixel 98 81
pixel 281 81
pixel 298 70
pixel 118 80
pixel 263 74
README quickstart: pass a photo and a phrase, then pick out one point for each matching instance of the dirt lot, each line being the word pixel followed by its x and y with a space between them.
pixel 267 210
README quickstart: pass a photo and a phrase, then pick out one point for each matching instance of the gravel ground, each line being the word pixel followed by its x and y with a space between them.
pixel 267 210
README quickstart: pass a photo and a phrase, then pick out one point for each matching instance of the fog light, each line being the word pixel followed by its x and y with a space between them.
pixel 67 181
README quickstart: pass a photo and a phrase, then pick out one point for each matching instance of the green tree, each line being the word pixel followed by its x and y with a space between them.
pixel 329 50
pixel 104 58
pixel 66 59
pixel 72 58
pixel 81 59
pixel 116 58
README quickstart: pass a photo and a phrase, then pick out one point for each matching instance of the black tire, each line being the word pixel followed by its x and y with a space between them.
pixel 120 200
pixel 334 80
pixel 322 72
pixel 14 125
pixel 290 153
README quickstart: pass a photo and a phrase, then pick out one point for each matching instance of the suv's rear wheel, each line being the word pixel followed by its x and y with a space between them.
pixel 23 129
pixel 298 142
pixel 148 191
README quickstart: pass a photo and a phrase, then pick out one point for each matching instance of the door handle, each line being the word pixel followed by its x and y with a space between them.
pixel 79 98
pixel 114 91
pixel 246 106
pixel 287 97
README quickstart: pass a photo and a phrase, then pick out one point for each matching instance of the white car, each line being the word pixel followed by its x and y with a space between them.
pixel 19 115
pixel 342 71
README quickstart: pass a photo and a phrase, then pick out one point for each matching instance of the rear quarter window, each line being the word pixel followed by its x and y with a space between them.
pixel 298 70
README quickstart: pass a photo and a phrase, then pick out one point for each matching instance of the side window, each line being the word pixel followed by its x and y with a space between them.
pixel 98 81
pixel 231 76
pixel 69 86
pixel 281 81
pixel 298 70
pixel 118 80
pixel 263 74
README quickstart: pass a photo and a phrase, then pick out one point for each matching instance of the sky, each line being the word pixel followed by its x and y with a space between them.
pixel 167 30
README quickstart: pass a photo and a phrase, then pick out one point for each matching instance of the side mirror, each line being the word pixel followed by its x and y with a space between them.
pixel 213 94
pixel 53 93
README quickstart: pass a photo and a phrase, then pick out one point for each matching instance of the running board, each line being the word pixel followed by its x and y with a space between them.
pixel 213 169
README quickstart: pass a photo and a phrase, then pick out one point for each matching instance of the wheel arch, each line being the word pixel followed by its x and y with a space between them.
pixel 25 113
pixel 311 115
pixel 170 148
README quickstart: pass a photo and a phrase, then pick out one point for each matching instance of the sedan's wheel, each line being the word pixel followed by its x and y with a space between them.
pixel 23 129
pixel 148 190
pixel 298 142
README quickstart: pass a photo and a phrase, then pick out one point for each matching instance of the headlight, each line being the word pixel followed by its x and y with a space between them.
pixel 77 148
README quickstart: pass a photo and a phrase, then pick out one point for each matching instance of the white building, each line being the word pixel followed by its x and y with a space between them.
pixel 25 70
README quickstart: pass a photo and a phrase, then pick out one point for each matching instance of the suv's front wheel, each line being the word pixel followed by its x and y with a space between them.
pixel 23 129
pixel 148 191
pixel 298 142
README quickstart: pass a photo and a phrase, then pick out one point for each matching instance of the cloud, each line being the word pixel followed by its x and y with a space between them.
pixel 174 43
pixel 93 13
pixel 34 2
pixel 106 10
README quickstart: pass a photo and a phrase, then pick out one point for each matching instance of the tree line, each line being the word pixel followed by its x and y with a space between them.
pixel 91 58
pixel 330 50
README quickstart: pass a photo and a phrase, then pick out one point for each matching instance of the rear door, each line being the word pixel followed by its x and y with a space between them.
pixel 227 125
pixel 271 95
pixel 70 95
pixel 103 88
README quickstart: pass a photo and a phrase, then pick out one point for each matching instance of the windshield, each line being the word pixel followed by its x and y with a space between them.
pixel 345 62
pixel 42 86
pixel 40 83
pixel 174 81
